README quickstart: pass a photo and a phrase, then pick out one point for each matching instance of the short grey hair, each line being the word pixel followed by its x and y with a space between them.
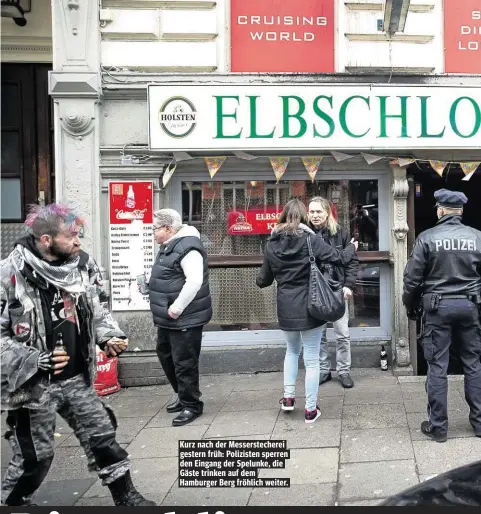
pixel 168 218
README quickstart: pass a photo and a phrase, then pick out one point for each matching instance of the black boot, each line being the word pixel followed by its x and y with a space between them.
pixel 125 494
pixel 433 433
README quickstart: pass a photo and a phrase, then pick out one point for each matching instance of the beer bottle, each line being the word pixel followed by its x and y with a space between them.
pixel 383 358
pixel 59 344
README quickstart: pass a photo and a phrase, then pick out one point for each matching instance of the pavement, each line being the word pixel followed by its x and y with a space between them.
pixel 366 446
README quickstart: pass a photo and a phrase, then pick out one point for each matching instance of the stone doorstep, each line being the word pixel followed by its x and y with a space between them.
pixel 143 368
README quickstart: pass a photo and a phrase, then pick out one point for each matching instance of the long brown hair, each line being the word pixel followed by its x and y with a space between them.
pixel 291 217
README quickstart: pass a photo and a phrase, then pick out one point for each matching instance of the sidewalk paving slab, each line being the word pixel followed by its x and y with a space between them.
pixel 378 444
pixel 308 466
pixel 64 492
pixel 252 400
pixel 297 495
pixel 459 425
pixel 299 434
pixel 359 417
pixel 243 423
pixel 204 497
pixel 362 503
pixel 389 394
pixel 433 457
pixel 371 480
pixel 163 442
pixel 372 430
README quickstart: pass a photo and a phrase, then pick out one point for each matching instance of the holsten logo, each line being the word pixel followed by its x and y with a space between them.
pixel 177 117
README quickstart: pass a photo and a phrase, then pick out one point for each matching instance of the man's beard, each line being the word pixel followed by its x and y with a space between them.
pixel 62 255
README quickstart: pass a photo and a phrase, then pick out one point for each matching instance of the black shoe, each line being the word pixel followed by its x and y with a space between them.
pixel 174 406
pixel 186 416
pixel 433 433
pixel 324 377
pixel 346 381
pixel 125 494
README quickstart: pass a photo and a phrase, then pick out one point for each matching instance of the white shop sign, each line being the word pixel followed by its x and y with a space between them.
pixel 315 117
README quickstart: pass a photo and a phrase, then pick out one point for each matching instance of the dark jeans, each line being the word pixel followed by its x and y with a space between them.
pixel 178 352
pixel 454 319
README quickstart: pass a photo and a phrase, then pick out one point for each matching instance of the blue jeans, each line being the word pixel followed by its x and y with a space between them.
pixel 311 340
pixel 343 346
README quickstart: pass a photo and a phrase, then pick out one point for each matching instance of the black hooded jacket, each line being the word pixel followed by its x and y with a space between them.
pixel 286 260
pixel 346 275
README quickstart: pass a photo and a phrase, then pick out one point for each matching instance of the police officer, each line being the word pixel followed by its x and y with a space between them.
pixel 443 278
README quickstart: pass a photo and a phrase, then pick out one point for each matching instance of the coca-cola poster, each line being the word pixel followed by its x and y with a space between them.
pixel 130 201
pixel 252 222
pixel 131 243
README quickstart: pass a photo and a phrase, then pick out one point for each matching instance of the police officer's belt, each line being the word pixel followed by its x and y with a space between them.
pixel 475 298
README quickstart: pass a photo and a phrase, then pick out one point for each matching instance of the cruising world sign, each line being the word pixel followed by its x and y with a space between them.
pixel 201 117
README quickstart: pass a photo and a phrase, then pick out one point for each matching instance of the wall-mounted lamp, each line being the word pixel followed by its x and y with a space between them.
pixel 16 10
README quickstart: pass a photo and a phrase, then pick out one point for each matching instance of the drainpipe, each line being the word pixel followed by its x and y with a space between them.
pixel 411 238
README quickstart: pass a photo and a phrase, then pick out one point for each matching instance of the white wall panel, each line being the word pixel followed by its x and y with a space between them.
pixel 361 45
pixel 133 24
pixel 160 55
pixel 153 35
pixel 185 25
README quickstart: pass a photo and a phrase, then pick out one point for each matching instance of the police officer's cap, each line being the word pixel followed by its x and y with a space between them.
pixel 450 199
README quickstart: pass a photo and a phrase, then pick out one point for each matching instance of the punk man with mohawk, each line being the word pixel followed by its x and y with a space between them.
pixel 51 292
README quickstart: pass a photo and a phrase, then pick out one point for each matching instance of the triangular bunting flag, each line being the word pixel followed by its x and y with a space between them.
pixel 244 155
pixel 279 165
pixel 438 166
pixel 469 175
pixel 168 173
pixel 370 158
pixel 469 167
pixel 312 164
pixel 402 162
pixel 339 156
pixel 214 164
pixel 182 156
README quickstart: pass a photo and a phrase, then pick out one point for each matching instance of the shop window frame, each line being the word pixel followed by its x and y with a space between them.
pixel 383 332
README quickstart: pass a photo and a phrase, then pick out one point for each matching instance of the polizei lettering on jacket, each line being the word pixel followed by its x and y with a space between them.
pixel 466 245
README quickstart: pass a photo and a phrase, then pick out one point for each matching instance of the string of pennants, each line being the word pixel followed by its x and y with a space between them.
pixel 313 162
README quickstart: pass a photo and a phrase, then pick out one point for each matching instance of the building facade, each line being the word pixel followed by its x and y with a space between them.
pixel 188 88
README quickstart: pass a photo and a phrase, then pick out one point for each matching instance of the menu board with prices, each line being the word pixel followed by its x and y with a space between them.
pixel 131 244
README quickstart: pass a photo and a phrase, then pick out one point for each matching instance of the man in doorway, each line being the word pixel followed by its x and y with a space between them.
pixel 53 314
pixel 322 221
pixel 443 276
pixel 181 305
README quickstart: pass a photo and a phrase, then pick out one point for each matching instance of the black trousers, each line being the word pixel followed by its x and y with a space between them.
pixel 454 319
pixel 178 352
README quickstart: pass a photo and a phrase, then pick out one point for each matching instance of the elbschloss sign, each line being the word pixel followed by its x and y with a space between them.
pixel 334 116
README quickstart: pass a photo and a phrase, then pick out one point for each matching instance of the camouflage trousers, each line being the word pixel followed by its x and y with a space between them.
pixel 31 436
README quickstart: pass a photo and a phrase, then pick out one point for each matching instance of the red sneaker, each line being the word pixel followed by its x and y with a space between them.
pixel 287 403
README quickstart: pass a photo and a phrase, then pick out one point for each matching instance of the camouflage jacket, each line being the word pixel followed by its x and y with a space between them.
pixel 23 335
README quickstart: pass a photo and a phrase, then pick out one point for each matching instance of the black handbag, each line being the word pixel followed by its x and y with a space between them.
pixel 326 299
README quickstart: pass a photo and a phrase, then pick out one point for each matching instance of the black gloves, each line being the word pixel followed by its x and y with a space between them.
pixel 45 362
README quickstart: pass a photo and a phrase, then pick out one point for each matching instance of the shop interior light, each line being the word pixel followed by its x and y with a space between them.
pixel 16 9
pixel 395 14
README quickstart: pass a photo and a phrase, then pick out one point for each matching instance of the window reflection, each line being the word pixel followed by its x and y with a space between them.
pixel 236 218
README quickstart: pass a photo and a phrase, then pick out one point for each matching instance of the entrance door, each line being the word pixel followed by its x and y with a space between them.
pixel 26 150
pixel 427 182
